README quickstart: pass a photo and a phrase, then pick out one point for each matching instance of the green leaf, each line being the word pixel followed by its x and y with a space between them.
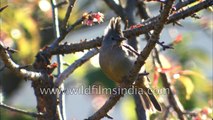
pixel 189 86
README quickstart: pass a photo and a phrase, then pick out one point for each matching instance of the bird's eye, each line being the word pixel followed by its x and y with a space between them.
pixel 112 38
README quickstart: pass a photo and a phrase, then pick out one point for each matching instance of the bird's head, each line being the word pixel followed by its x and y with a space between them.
pixel 113 33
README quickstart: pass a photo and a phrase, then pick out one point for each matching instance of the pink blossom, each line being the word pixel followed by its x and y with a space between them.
pixel 91 18
pixel 97 17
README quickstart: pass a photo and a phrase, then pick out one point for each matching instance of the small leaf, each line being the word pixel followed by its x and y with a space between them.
pixel 189 86
pixel 190 72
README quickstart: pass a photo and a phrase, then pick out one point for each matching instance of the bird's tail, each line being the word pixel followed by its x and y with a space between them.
pixel 148 100
pixel 147 97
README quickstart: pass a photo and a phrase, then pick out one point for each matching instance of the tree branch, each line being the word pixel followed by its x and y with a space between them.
pixel 155 36
pixel 102 112
pixel 172 98
pixel 148 26
pixel 29 75
pixel 60 96
pixel 2 8
pixel 130 13
pixel 2 105
pixel 74 66
pixel 61 3
pixel 117 9
pixel 143 10
pixel 67 48
pixel 190 11
pixel 67 15
pixel 182 4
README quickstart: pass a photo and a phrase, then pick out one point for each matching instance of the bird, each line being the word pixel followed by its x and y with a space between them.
pixel 116 59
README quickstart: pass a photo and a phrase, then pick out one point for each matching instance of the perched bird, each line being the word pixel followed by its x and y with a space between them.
pixel 116 59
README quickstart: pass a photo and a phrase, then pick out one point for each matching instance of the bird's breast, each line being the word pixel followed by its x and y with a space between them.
pixel 114 63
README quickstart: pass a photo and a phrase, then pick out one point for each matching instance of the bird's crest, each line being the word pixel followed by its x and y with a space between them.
pixel 114 26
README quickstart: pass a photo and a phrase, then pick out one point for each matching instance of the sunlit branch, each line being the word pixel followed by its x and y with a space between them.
pixel 28 75
pixel 4 106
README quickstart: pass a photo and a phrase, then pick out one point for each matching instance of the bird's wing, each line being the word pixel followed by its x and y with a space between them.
pixel 131 51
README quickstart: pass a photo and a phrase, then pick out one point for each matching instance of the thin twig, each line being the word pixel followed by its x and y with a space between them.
pixel 33 114
pixel 172 97
pixel 61 3
pixel 78 22
pixel 55 23
pixel 74 66
pixel 113 99
pixel 54 45
pixel 193 114
pixel 143 10
pixel 2 8
pixel 11 50
pixel 117 9
pixel 182 4
pixel 190 11
pixel 61 96
pixel 29 75
pixel 68 13
pixel 166 113
pixel 164 47
pixel 130 16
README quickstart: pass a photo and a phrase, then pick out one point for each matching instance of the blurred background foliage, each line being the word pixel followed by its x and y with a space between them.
pixel 26 25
